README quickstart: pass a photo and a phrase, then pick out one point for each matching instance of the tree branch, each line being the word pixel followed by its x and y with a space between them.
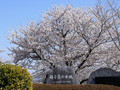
pixel 84 80
pixel 41 58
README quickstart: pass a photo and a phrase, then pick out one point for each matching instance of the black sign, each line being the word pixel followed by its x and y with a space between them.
pixel 61 75
pixel 104 76
pixel 108 80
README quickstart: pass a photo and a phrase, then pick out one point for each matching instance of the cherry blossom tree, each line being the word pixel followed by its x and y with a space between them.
pixel 1 60
pixel 66 36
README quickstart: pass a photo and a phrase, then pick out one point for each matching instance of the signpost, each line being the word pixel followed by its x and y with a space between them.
pixel 61 75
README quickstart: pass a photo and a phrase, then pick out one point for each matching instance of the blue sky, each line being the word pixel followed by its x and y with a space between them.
pixel 14 13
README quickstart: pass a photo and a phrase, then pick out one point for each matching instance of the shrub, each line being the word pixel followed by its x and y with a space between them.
pixel 13 77
pixel 74 87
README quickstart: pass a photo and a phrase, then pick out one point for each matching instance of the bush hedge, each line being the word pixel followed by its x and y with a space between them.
pixel 13 77
pixel 74 87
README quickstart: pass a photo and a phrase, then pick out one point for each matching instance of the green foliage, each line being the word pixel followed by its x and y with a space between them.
pixel 13 77
pixel 74 87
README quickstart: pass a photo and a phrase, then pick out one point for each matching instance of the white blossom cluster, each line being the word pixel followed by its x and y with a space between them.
pixel 68 36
